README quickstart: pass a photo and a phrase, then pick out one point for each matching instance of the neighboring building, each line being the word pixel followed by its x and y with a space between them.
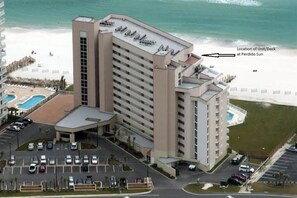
pixel 159 90
pixel 3 110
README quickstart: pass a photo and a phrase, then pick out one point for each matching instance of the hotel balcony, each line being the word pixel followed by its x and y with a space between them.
pixel 2 62
pixel 2 44
pixel 2 13
pixel 2 37
pixel 3 70
pixel 2 54
pixel 3 80
pixel 2 21
pixel 1 4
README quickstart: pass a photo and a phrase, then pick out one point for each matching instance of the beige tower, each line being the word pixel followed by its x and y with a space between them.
pixel 158 88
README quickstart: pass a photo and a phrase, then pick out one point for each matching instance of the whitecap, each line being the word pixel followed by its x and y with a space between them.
pixel 237 2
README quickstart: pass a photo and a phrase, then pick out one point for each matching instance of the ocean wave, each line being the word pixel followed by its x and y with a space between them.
pixel 237 2
pixel 254 3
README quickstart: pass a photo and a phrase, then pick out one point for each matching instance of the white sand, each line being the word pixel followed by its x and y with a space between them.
pixel 20 43
pixel 275 80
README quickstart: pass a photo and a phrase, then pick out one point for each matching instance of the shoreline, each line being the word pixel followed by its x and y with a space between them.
pixel 260 75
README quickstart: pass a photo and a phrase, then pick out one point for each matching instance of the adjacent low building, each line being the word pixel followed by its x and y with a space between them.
pixel 163 98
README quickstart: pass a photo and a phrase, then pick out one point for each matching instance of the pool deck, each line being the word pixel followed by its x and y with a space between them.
pixel 53 110
pixel 23 93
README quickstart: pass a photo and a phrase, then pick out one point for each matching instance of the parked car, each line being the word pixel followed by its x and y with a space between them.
pixel 79 181
pixel 68 159
pixel 42 159
pixel 35 160
pixel 31 146
pixel 239 177
pixel 86 159
pixel 123 182
pixel 94 159
pixel 26 121
pixel 234 181
pixel 11 160
pixel 74 146
pixel 292 148
pixel 32 168
pixel 49 144
pixel 246 168
pixel 77 159
pixel 40 146
pixel 112 181
pixel 42 168
pixel 19 124
pixel 70 182
pixel 51 161
pixel 89 180
pixel 192 167
pixel 237 159
pixel 13 128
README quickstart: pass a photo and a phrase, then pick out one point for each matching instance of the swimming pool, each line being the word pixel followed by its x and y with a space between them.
pixel 9 98
pixel 229 116
pixel 34 100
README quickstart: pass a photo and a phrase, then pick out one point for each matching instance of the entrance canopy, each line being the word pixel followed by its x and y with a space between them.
pixel 83 118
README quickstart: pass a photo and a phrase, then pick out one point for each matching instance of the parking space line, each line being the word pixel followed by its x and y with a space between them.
pixel 71 169
pixel 21 169
pixel 8 134
pixel 63 169
pixel 96 169
pixel 113 168
pixel 12 170
pixel 105 168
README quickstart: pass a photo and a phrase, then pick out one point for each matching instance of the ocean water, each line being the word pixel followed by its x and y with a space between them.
pixel 272 22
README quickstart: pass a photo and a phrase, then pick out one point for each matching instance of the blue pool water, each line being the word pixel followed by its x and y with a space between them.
pixel 229 116
pixel 31 102
pixel 9 98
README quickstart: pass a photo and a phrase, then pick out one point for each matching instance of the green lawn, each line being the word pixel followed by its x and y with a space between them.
pixel 270 188
pixel 264 127
pixel 197 188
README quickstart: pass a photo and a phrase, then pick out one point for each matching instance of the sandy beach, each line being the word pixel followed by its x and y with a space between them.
pixel 262 73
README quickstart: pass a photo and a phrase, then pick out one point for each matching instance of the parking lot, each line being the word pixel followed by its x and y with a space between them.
pixel 7 136
pixel 286 164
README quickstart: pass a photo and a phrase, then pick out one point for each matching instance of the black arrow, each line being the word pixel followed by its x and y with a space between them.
pixel 217 55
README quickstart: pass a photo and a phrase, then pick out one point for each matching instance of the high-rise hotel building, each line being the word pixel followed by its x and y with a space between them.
pixel 3 111
pixel 154 84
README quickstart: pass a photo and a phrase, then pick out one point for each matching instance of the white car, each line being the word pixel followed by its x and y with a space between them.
pixel 77 159
pixel 246 168
pixel 73 146
pixel 52 161
pixel 68 159
pixel 42 159
pixel 13 128
pixel 11 160
pixel 94 159
pixel 192 167
pixel 86 159
pixel 70 182
pixel 31 146
pixel 32 168
pixel 40 146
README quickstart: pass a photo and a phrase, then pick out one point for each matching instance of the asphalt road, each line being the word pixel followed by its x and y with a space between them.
pixel 163 187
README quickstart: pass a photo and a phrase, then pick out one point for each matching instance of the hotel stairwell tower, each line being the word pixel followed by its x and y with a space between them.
pixel 155 85
pixel 3 111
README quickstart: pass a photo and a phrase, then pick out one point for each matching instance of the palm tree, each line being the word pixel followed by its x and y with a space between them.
pixel 133 143
pixel 280 178
pixel 129 141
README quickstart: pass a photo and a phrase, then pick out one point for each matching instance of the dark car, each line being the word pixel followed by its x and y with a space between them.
pixel 123 182
pixel 49 145
pixel 79 181
pixel 42 168
pixel 89 180
pixel 239 177
pixel 25 121
pixel 234 181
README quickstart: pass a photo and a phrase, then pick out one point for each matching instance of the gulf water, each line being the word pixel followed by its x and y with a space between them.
pixel 272 22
